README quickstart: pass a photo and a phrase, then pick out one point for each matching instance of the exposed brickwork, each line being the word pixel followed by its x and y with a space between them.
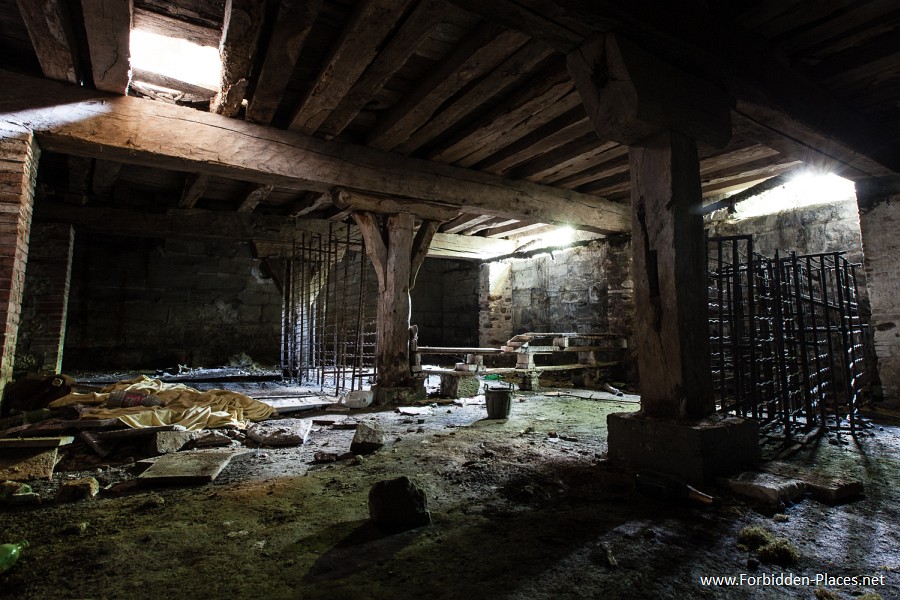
pixel 18 168
pixel 879 215
pixel 45 304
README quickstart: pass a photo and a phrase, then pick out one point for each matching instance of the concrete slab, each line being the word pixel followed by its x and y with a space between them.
pixel 830 489
pixel 195 467
pixel 36 442
pixel 25 464
pixel 766 487
pixel 694 452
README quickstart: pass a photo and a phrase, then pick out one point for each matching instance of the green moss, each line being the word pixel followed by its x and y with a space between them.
pixel 870 596
pixel 754 536
pixel 780 552
pixel 823 594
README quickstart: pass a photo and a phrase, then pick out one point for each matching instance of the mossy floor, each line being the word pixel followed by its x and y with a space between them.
pixel 522 508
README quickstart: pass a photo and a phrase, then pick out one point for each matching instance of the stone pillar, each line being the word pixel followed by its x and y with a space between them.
pixel 43 328
pixel 879 211
pixel 18 168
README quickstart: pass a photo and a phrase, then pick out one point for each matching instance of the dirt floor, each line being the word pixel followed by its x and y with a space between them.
pixel 524 507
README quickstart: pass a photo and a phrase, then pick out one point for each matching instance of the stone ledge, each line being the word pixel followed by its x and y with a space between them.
pixel 694 452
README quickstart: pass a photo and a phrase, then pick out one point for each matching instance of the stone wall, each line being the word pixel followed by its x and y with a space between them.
pixel 445 303
pixel 138 303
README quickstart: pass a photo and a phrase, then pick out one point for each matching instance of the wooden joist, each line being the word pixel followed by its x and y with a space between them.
pixel 513 230
pixel 240 34
pixel 49 24
pixel 479 53
pixel 82 122
pixel 352 199
pixel 456 111
pixel 104 177
pixel 462 222
pixel 107 24
pixel 258 194
pixel 292 26
pixel 194 188
pixel 573 157
pixel 420 23
pixel 354 49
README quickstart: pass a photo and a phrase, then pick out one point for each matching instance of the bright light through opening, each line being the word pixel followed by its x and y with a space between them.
pixel 562 236
pixel 176 58
pixel 805 189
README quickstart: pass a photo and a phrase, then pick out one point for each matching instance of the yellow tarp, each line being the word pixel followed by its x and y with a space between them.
pixel 182 405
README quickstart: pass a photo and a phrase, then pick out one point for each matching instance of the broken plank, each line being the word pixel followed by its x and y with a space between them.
pixel 49 25
pixel 107 24
pixel 240 34
pixel 121 434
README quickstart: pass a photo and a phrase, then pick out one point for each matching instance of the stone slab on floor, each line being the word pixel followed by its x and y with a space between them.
pixel 25 464
pixel 280 432
pixel 694 452
pixel 829 489
pixel 765 487
pixel 194 467
pixel 36 442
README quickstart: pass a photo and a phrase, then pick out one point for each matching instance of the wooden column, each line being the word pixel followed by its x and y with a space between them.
pixel 18 168
pixel 396 253
pixel 671 322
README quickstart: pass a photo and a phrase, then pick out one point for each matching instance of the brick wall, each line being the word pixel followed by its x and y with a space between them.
pixel 45 303
pixel 138 303
pixel 18 167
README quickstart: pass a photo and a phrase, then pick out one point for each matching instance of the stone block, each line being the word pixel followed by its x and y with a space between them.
pixel 280 432
pixel 766 487
pixel 166 442
pixel 460 386
pixel 78 489
pixel 398 505
pixel 369 437
pixel 694 452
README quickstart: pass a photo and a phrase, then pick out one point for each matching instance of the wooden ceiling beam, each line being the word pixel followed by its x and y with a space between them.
pixel 421 22
pixel 194 188
pixel 104 177
pixel 314 201
pixel 462 222
pixel 494 84
pixel 258 194
pixel 353 51
pixel 49 25
pixel 546 138
pixel 584 151
pixel 541 91
pixel 607 168
pixel 513 230
pixel 169 26
pixel 477 54
pixel 359 201
pixel 107 24
pixel 290 30
pixel 77 121
pixel 240 35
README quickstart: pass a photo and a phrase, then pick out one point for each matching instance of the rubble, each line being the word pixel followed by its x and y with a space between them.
pixel 369 437
pixel 280 432
pixel 78 489
pixel 398 505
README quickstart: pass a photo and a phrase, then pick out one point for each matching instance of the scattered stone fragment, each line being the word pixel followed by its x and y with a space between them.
pixel 552 434
pixel 78 489
pixel 213 439
pixel 824 488
pixel 79 528
pixel 398 505
pixel 325 457
pixel 166 442
pixel 766 487
pixel 369 437
pixel 781 518
pixel 280 432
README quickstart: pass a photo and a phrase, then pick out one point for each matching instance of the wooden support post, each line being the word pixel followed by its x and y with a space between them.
pixel 396 255
pixel 671 324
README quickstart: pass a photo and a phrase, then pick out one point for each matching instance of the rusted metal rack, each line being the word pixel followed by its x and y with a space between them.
pixel 328 313
pixel 788 343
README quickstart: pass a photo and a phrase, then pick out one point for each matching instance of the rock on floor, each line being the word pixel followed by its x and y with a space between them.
pixel 369 437
pixel 280 432
pixel 398 505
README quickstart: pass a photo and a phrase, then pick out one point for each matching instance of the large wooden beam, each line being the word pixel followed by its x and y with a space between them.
pixel 351 199
pixel 290 30
pixel 49 24
pixel 240 34
pixel 193 224
pixel 194 188
pixel 258 194
pixel 77 121
pixel 355 48
pixel 629 94
pixel 107 24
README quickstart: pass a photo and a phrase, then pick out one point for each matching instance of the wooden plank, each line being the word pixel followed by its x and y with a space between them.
pixel 107 24
pixel 477 54
pixel 78 121
pixel 290 30
pixel 606 168
pixel 497 83
pixel 257 195
pixel 314 201
pixel 49 24
pixel 194 188
pixel 354 49
pixel 456 350
pixel 168 25
pixel 448 245
pixel 490 223
pixel 240 35
pixel 36 442
pixel 513 230
pixel 462 222
pixel 194 224
pixel 536 23
pixel 421 22
pixel 578 154
pixel 629 94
